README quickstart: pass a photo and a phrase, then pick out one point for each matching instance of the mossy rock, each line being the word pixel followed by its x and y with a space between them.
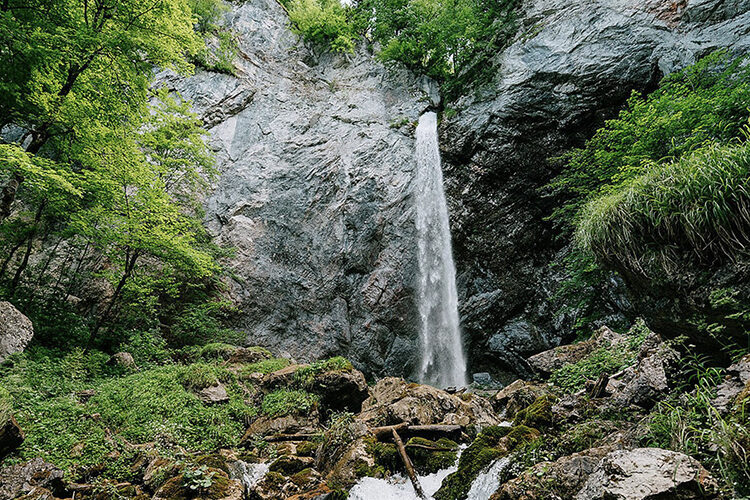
pixel 304 477
pixel 429 461
pixel 307 449
pixel 386 457
pixel 538 414
pixel 214 461
pixel 175 488
pixel 492 443
pixel 289 465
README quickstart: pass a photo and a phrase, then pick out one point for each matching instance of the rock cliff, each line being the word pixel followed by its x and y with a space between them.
pixel 316 154
pixel 316 158
pixel 572 66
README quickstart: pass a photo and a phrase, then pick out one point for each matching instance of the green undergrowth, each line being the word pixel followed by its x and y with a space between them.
pixel 289 401
pixel 606 359
pixel 305 375
pixel 158 405
pixel 688 421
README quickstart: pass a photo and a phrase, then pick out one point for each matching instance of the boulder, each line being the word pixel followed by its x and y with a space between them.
pixel 341 390
pixel 736 382
pixel 288 465
pixel 648 474
pixel 393 400
pixel 562 478
pixel 652 377
pixel 16 330
pixel 548 361
pixel 287 424
pixel 214 394
pixel 123 360
pixel 22 479
pixel 516 396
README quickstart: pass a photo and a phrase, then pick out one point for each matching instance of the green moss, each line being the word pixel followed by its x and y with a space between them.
pixel 286 402
pixel 492 443
pixel 214 461
pixel 385 455
pixel 538 414
pixel 307 449
pixel 304 376
pixel 428 461
pixel 303 477
pixel 265 366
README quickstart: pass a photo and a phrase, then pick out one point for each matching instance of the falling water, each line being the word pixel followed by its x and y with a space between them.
pixel 443 363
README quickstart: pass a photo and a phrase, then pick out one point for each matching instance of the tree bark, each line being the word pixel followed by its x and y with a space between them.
pixel 408 465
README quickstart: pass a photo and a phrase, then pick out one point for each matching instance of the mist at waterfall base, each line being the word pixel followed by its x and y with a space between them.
pixel 443 361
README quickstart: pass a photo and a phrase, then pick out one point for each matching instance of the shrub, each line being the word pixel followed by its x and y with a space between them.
pixel 323 22
pixel 304 376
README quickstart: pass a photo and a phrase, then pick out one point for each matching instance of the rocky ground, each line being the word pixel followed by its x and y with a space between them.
pixel 584 428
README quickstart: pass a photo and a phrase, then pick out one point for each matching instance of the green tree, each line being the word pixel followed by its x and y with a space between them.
pixel 71 67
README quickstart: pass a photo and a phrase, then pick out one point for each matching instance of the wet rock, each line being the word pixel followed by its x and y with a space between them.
pixel 21 479
pixel 214 394
pixel 393 400
pixel 736 382
pixel 289 465
pixel 562 478
pixel 158 471
pixel 16 330
pixel 491 444
pixel 548 361
pixel 648 474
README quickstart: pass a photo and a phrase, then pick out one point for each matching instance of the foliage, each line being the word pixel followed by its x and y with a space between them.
pixel 198 478
pixel 286 402
pixel 606 359
pixel 705 102
pixel 6 406
pixel 325 23
pixel 451 41
pixel 695 208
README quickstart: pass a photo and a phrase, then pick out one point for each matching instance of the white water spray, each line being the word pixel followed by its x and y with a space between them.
pixel 443 362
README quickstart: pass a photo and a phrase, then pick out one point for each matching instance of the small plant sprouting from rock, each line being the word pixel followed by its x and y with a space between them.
pixel 198 479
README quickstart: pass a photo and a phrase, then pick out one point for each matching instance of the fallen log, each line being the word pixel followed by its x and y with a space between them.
pixel 426 431
pixel 407 464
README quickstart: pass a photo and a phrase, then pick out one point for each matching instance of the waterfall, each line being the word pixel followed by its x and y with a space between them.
pixel 443 363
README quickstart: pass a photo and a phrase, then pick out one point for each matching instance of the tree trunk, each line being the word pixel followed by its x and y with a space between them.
pixel 407 464
pixel 130 261
pixel 29 246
